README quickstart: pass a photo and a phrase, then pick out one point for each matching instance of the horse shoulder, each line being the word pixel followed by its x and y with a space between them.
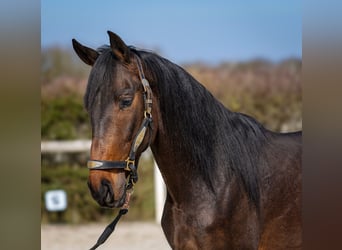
pixel 229 221
pixel 281 193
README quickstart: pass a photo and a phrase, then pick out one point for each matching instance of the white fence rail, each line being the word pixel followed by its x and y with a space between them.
pixel 65 146
pixel 79 146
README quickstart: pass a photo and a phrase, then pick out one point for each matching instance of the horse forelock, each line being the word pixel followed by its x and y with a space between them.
pixel 100 79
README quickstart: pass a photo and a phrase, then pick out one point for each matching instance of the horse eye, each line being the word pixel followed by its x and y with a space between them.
pixel 124 103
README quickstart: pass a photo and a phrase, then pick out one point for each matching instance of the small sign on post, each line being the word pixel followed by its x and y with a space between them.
pixel 55 200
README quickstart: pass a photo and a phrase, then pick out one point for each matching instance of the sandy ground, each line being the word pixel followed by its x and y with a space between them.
pixel 127 235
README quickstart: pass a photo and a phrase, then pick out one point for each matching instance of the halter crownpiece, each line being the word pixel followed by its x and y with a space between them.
pixel 129 163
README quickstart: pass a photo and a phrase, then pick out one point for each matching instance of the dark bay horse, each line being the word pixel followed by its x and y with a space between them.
pixel 231 183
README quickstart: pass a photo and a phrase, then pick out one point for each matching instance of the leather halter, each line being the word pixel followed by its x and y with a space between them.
pixel 129 163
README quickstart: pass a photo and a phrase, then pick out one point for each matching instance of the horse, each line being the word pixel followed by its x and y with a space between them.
pixel 231 183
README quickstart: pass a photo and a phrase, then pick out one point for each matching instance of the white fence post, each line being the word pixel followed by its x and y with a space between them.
pixel 159 192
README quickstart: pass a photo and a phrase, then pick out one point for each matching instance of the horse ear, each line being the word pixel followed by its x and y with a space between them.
pixel 119 48
pixel 86 54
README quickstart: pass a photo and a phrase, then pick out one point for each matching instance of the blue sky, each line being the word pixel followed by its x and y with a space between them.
pixel 182 31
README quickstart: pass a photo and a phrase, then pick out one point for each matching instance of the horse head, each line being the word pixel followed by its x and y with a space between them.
pixel 118 100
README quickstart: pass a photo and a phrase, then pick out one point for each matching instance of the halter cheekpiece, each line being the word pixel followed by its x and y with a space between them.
pixel 129 163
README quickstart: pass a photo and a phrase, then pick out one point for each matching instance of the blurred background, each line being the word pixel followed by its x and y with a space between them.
pixel 247 54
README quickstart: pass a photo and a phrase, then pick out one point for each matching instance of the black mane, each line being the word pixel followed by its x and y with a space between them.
pixel 201 127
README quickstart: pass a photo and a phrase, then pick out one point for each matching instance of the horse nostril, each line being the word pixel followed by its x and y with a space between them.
pixel 106 192
pixel 103 193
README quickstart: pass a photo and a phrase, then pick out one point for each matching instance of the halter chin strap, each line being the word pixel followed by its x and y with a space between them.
pixel 129 163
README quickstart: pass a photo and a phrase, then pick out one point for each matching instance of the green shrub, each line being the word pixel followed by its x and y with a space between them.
pixel 64 118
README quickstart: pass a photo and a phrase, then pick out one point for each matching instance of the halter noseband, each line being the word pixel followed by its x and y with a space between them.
pixel 129 163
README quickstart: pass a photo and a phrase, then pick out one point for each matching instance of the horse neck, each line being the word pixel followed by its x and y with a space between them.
pixel 184 144
pixel 199 144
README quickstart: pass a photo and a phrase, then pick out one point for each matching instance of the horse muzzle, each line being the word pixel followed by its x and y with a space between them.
pixel 105 195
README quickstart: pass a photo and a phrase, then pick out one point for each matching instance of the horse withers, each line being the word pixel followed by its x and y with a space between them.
pixel 231 183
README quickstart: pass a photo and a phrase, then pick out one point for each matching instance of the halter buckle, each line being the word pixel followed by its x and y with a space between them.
pixel 128 163
pixel 147 114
